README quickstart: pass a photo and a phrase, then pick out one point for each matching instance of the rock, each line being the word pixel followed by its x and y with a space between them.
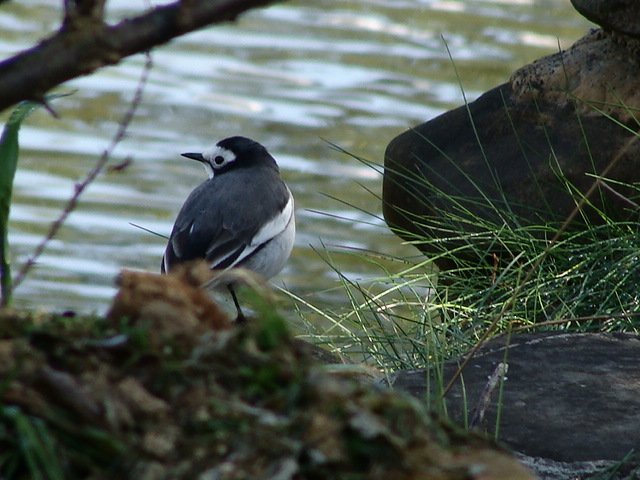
pixel 509 157
pixel 596 470
pixel 622 16
pixel 568 397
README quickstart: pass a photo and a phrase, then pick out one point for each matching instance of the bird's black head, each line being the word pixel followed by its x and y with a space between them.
pixel 232 153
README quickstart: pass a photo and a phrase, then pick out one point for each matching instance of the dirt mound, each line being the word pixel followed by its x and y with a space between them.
pixel 165 387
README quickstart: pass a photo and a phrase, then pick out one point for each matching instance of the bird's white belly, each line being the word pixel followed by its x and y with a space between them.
pixel 270 260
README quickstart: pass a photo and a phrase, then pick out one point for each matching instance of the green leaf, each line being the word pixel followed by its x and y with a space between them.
pixel 9 149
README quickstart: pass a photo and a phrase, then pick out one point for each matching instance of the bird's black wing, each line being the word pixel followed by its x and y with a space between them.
pixel 224 221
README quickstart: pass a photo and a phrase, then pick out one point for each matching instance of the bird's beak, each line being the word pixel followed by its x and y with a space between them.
pixel 194 156
pixel 200 158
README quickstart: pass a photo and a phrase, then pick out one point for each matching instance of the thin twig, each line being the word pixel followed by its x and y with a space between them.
pixel 497 376
pixel 614 192
pixel 91 176
pixel 562 321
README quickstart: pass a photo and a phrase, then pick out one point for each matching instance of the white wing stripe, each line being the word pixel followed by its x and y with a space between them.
pixel 269 230
pixel 276 225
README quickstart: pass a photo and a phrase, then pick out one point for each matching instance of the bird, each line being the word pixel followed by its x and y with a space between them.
pixel 242 216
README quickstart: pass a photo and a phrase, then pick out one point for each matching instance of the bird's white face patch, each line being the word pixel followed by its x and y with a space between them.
pixel 217 158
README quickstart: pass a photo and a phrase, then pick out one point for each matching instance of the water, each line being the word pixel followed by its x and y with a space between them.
pixel 294 76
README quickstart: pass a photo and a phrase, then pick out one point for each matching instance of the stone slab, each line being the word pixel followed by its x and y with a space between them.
pixel 567 397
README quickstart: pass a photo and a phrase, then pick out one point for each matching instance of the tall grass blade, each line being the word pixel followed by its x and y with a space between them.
pixel 8 163
pixel 9 148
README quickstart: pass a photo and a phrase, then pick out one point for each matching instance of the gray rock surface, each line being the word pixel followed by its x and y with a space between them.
pixel 622 16
pixel 567 397
pixel 547 469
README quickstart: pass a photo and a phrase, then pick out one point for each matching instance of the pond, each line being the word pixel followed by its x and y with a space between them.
pixel 298 77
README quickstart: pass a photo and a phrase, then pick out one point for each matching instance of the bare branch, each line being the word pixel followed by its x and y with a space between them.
pixel 92 44
pixel 496 377
pixel 78 11
pixel 91 176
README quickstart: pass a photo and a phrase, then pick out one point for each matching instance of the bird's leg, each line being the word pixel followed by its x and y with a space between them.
pixel 240 319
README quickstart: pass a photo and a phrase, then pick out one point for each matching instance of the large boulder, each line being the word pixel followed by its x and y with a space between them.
pixel 525 152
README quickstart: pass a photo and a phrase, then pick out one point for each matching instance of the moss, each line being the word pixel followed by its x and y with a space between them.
pixel 175 391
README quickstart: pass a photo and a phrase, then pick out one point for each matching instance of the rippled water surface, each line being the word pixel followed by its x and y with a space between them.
pixel 296 77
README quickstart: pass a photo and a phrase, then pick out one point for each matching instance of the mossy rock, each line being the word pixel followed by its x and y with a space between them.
pixel 166 387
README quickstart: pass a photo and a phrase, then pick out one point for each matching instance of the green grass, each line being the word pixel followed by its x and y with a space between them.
pixel 28 445
pixel 547 277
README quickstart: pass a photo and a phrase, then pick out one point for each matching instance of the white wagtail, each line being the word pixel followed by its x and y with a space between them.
pixel 241 217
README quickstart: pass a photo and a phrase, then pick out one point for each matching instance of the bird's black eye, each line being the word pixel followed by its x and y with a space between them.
pixel 219 160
